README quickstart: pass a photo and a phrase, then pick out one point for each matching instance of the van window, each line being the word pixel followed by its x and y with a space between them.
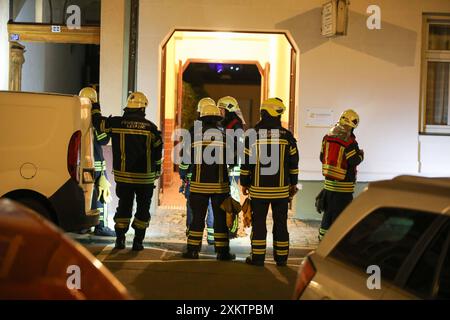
pixel 423 277
pixel 384 238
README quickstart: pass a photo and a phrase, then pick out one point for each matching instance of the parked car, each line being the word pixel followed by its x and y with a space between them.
pixel 38 262
pixel 392 242
pixel 46 156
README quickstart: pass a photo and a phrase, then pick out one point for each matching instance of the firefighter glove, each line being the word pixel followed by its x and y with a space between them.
pixel 104 189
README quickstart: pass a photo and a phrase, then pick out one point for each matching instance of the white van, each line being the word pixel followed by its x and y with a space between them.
pixel 46 157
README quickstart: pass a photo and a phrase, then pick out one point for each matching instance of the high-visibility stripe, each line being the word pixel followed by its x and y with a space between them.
pixel 221 244
pixel 294 171
pixel 95 111
pixel 157 143
pixel 134 174
pixel 196 233
pixel 269 196
pixel 259 242
pixel 340 156
pixel 257 167
pixel 194 242
pixel 208 143
pixel 101 136
pixel 122 152
pixel 327 149
pixel 131 131
pixel 338 186
pixel 350 154
pixel 134 180
pixel 149 154
pixel 281 252
pixel 283 149
pixel 221 235
pixel 184 166
pixel 272 141
pixel 259 251
pixel 140 224
pixel 333 168
pixel 293 151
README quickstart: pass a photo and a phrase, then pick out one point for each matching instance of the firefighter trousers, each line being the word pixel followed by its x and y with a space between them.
pixel 199 205
pixel 126 194
pixel 260 208
pixel 335 203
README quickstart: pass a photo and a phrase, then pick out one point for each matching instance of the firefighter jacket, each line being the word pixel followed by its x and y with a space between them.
pixel 100 139
pixel 340 155
pixel 206 176
pixel 137 146
pixel 273 142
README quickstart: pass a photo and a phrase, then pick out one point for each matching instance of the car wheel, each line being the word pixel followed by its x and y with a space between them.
pixel 39 207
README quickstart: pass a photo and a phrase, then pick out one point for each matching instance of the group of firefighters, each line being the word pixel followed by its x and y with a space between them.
pixel 137 148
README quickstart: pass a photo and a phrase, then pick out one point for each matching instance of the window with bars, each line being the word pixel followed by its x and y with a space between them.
pixel 436 75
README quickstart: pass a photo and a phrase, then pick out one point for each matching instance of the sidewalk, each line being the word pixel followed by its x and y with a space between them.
pixel 168 225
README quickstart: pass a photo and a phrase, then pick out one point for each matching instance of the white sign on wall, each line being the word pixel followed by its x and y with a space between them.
pixel 319 117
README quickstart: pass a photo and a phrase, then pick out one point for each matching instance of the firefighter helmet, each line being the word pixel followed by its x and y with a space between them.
pixel 89 93
pixel 137 100
pixel 210 110
pixel 228 103
pixel 350 118
pixel 274 106
pixel 203 102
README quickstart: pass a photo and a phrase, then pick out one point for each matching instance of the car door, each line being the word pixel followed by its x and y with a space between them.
pixel 365 263
pixel 426 274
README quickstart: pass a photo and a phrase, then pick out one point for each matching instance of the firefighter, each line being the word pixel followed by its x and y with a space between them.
pixel 101 196
pixel 137 158
pixel 209 181
pixel 185 189
pixel 233 120
pixel 340 155
pixel 270 183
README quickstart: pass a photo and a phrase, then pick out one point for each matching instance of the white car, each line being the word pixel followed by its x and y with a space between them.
pixel 391 242
pixel 46 157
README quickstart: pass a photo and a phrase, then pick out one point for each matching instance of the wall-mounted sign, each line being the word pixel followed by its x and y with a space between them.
pixel 14 37
pixel 319 117
pixel 334 18
pixel 56 29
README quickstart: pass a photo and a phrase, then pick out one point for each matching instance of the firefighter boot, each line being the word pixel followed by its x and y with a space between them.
pixel 251 261
pixel 139 236
pixel 120 239
pixel 190 254
pixel 225 256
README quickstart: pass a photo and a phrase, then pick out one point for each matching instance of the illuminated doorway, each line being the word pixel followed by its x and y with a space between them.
pixel 274 56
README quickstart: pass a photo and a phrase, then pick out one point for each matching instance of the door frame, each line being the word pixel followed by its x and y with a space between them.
pixel 264 85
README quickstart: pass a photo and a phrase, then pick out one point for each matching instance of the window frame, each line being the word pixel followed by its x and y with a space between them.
pixel 432 56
